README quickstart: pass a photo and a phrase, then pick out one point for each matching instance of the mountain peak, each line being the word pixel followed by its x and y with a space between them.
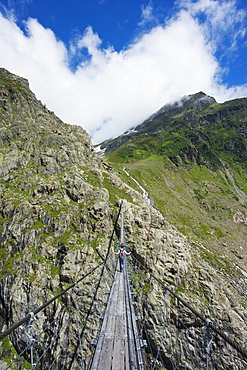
pixel 200 98
pixel 197 101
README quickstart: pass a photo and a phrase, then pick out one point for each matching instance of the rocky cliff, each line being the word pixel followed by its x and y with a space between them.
pixel 58 204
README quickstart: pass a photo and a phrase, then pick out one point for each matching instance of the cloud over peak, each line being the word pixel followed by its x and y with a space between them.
pixel 108 91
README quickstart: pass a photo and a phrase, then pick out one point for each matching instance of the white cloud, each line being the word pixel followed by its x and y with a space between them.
pixel 223 23
pixel 111 91
pixel 147 15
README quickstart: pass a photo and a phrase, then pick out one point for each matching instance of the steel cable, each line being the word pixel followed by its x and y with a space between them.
pixel 30 315
pixel 98 285
pixel 22 321
pixel 235 345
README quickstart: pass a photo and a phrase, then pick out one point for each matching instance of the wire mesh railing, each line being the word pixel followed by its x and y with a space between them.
pixel 62 333
pixel 61 339
pixel 178 336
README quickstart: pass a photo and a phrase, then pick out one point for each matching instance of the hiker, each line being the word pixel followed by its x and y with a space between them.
pixel 122 253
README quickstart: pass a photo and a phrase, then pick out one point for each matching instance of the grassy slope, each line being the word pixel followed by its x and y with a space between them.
pixel 200 202
pixel 182 161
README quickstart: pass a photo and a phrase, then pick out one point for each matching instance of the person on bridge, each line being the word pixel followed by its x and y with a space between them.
pixel 122 252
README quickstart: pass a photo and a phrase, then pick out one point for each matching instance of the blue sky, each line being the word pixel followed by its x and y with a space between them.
pixel 107 65
pixel 115 21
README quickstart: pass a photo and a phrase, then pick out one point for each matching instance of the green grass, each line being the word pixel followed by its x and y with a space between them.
pixel 199 201
pixel 8 354
pixel 115 193
pixel 55 270
pixel 212 135
pixel 219 263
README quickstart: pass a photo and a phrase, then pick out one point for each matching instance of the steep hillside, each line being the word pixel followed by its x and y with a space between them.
pixel 195 130
pixel 191 158
pixel 58 205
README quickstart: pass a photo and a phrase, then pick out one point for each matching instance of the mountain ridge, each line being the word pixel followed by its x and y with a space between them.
pixel 58 203
pixel 191 158
pixel 176 107
pixel 195 126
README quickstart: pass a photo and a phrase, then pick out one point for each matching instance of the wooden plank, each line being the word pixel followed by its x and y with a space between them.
pixel 116 345
pixel 110 329
pixel 105 359
pixel 118 361
pixel 130 322
pixel 120 330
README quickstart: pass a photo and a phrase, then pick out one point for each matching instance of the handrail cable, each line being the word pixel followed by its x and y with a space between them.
pixel 235 345
pixel 97 288
pixel 54 338
pixel 136 336
pixel 75 292
pixel 28 316
pixel 51 343
pixel 38 336
pixel 189 354
pixel 80 334
pixel 127 325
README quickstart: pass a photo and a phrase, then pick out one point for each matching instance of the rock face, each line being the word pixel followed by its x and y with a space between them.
pixel 58 204
pixel 194 130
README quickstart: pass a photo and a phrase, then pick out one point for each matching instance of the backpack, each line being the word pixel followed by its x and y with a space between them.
pixel 121 254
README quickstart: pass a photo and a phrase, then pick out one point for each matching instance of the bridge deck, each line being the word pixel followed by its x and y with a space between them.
pixel 118 341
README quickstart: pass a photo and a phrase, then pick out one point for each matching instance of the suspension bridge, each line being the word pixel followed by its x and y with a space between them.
pixel 119 345
pixel 113 325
